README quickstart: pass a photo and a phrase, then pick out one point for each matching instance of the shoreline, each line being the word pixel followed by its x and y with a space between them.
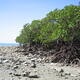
pixel 18 66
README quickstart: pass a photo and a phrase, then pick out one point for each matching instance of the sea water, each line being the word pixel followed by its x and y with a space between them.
pixel 9 44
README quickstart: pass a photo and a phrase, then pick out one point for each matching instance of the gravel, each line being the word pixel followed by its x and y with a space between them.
pixel 18 66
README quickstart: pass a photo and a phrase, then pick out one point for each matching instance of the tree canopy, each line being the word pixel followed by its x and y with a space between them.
pixel 61 24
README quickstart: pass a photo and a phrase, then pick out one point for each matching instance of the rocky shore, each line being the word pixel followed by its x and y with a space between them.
pixel 16 64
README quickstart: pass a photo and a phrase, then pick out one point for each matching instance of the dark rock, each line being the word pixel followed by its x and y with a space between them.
pixel 61 71
pixel 33 65
pixel 33 60
pixel 33 76
pixel 26 74
pixel 67 73
pixel 30 49
pixel 16 74
pixel 10 73
pixel 15 67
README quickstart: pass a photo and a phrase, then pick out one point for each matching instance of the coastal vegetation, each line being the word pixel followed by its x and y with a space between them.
pixel 58 25
pixel 56 36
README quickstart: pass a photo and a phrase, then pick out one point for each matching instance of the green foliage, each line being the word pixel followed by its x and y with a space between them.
pixel 24 37
pixel 58 24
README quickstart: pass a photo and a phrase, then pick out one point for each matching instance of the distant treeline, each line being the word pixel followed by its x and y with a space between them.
pixel 60 24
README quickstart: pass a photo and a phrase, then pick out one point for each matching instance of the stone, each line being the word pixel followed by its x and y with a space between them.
pixel 67 73
pixel 26 74
pixel 33 75
pixel 39 60
pixel 61 71
pixel 16 74
pixel 5 61
pixel 33 60
pixel 33 65
pixel 10 73
pixel 15 67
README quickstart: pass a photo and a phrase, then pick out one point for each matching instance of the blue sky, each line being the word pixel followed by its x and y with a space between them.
pixel 15 13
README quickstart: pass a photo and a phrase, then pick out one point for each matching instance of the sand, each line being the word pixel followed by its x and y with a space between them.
pixel 16 66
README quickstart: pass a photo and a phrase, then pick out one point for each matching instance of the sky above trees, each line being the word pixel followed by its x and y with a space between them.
pixel 15 13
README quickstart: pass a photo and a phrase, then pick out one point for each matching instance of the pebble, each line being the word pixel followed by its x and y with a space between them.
pixel 15 67
pixel 26 74
pixel 61 71
pixel 33 65
pixel 16 74
pixel 5 61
